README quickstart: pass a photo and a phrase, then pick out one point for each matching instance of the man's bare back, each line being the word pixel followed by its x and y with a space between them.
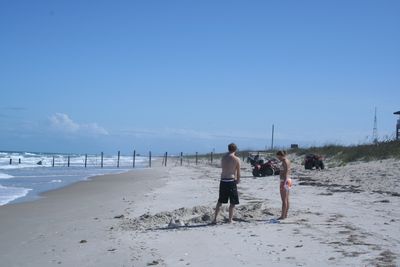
pixel 230 167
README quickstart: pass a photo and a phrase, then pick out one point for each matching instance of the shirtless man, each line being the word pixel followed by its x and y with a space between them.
pixel 230 177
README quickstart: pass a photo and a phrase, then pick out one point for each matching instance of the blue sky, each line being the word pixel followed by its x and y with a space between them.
pixel 90 76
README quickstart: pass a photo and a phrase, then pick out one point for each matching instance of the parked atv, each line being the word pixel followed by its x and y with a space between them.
pixel 253 160
pixel 263 167
pixel 312 161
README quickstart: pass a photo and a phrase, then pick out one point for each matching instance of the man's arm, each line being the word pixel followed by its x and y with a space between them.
pixel 238 172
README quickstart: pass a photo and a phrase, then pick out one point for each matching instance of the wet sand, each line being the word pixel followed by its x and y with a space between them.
pixel 72 226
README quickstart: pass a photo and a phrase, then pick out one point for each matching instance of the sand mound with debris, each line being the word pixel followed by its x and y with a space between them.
pixel 199 215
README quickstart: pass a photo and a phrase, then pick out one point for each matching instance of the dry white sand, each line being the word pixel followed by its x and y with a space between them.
pixel 344 216
pixel 341 216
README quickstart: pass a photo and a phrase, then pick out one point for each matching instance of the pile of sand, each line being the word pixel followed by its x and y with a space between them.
pixel 196 216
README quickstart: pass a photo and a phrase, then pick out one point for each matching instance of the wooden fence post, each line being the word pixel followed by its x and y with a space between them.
pixel 119 154
pixel 211 157
pixel 101 161
pixel 166 158
pixel 149 159
pixel 85 160
pixel 181 158
pixel 197 157
pixel 134 158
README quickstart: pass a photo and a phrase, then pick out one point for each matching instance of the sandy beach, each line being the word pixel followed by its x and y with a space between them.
pixel 341 216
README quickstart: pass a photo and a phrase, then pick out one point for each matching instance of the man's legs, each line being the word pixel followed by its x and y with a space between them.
pixel 231 209
pixel 217 211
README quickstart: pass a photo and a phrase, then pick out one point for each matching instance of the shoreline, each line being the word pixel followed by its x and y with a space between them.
pixel 24 175
pixel 31 185
pixel 70 225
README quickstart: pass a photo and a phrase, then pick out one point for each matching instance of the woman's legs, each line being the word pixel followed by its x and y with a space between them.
pixel 285 203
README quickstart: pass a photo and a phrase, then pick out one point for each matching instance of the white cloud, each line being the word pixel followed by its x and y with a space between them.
pixel 93 128
pixel 61 122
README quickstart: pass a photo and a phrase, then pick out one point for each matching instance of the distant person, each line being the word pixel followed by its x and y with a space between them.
pixel 285 182
pixel 230 177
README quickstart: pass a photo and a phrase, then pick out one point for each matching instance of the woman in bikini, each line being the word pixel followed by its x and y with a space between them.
pixel 285 183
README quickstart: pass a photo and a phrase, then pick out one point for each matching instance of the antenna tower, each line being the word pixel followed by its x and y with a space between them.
pixel 375 130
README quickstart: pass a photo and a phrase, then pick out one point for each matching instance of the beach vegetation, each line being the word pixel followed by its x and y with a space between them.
pixel 363 152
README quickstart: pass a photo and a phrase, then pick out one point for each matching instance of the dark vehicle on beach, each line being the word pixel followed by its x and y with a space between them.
pixel 254 159
pixel 263 167
pixel 312 161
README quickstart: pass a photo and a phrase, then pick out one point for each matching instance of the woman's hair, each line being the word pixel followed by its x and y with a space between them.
pixel 281 153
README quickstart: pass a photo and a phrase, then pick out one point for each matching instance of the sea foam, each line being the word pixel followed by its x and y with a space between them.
pixel 30 174
pixel 5 176
pixel 8 194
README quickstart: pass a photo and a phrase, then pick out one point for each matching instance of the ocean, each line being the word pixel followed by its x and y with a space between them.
pixel 30 174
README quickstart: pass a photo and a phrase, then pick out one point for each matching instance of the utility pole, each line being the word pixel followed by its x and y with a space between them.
pixel 272 139
pixel 375 130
